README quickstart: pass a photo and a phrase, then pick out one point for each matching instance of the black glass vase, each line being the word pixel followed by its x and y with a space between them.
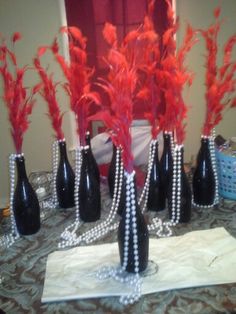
pixel 25 203
pixel 93 163
pixel 89 191
pixel 204 186
pixel 156 196
pixel 143 238
pixel 185 194
pixel 65 179
pixel 166 163
pixel 111 177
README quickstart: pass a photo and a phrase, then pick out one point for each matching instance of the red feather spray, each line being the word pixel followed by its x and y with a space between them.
pixel 18 100
pixel 78 76
pixel 48 92
pixel 173 76
pixel 220 81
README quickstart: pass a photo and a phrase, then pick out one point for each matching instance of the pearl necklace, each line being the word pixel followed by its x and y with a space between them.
pixel 54 172
pixel 119 273
pixel 213 161
pixel 164 228
pixel 69 236
pixel 144 195
pixel 8 239
pixel 104 227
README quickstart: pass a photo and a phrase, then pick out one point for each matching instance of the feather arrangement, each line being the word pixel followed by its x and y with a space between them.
pixel 17 97
pixel 48 92
pixel 150 92
pixel 78 75
pixel 220 81
pixel 120 87
pixel 124 60
pixel 173 75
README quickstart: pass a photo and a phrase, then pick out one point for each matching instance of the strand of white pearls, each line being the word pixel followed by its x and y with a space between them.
pixel 55 159
pixel 213 159
pixel 164 228
pixel 107 225
pixel 119 273
pixel 8 239
pixel 144 195
pixel 213 162
pixel 69 236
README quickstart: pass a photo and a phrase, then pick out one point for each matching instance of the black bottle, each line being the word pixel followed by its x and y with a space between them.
pixel 93 163
pixel 25 203
pixel 111 180
pixel 65 180
pixel 89 191
pixel 156 196
pixel 166 164
pixel 185 195
pixel 204 185
pixel 143 239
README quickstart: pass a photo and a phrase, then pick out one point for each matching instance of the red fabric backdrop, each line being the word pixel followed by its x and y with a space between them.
pixel 90 16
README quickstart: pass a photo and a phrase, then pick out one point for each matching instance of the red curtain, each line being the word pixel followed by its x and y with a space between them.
pixel 90 16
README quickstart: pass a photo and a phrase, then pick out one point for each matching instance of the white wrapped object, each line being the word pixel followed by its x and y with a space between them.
pixel 197 258
pixel 141 137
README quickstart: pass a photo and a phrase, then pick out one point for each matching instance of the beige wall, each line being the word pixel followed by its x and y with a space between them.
pixel 39 21
pixel 200 14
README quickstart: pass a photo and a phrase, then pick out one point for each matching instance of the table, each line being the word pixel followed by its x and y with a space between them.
pixel 22 271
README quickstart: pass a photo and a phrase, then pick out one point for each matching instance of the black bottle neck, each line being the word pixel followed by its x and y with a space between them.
pixel 20 165
pixel 205 143
pixel 156 145
pixel 87 138
pixel 205 147
pixel 62 149
pixel 167 142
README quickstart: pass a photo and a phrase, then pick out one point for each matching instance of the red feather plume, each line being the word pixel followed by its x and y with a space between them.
pixel 47 89
pixel 17 97
pixel 220 81
pixel 78 75
pixel 173 75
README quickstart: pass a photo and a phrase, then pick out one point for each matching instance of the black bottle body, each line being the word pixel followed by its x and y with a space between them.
pixel 25 203
pixel 166 164
pixel 143 239
pixel 92 161
pixel 89 192
pixel 185 195
pixel 111 177
pixel 204 185
pixel 156 194
pixel 65 179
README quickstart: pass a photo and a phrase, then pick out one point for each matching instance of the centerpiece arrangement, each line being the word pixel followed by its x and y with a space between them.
pixel 78 87
pixel 63 174
pixel 24 205
pixel 220 85
pixel 167 76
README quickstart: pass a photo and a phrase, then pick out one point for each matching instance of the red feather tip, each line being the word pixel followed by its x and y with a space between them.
pixel 109 34
pixel 16 36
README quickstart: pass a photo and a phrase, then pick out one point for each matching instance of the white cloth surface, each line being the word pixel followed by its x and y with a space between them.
pixel 141 137
pixel 198 258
